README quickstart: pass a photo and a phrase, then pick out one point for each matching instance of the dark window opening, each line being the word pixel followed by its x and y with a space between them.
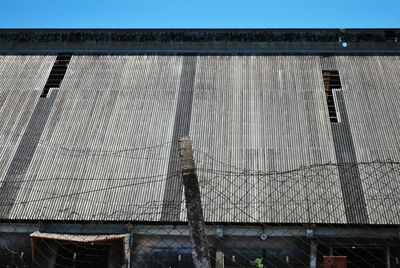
pixel 170 257
pixel 325 55
pixel 82 255
pixel 331 81
pixel 57 74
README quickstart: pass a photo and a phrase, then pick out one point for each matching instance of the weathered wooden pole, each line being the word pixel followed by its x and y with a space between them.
pixel 193 205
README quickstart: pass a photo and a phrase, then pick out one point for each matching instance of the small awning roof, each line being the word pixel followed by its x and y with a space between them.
pixel 77 238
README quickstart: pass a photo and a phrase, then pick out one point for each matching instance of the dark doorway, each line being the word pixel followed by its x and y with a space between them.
pixel 82 255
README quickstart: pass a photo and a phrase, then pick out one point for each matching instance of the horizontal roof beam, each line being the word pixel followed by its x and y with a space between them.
pixel 200 41
pixel 182 230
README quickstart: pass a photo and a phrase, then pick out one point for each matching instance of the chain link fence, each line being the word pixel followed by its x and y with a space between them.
pixel 323 215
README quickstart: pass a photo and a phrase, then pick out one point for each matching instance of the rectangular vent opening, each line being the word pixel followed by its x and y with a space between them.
pixel 57 74
pixel 331 81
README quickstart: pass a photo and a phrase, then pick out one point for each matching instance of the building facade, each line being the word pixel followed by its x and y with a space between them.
pixel 295 136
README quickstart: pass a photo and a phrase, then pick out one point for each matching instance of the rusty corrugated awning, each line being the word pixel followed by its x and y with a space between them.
pixel 82 239
pixel 77 238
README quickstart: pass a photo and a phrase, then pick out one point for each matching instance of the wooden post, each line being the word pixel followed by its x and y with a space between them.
pixel 193 205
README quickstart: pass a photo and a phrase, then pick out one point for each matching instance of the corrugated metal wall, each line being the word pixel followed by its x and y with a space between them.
pixel 371 87
pixel 108 111
pixel 263 113
pixel 21 81
pixel 248 112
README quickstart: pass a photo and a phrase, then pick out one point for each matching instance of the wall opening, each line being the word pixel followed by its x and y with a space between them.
pixel 79 251
pixel 57 74
pixel 331 81
pixel 82 255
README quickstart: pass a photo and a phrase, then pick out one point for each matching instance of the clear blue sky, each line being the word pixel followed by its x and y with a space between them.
pixel 199 14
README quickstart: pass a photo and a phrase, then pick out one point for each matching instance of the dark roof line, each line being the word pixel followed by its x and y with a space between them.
pixel 175 41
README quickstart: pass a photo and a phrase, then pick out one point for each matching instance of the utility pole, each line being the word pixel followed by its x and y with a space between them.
pixel 194 209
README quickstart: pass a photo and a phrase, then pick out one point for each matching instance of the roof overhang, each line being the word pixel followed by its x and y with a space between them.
pixel 200 41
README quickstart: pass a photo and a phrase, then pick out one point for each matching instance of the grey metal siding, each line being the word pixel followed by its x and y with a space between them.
pixel 263 113
pixel 371 87
pixel 98 132
pixel 21 81
pixel 106 147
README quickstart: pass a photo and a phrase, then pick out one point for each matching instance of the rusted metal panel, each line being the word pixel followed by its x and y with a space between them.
pixel 77 238
pixel 335 262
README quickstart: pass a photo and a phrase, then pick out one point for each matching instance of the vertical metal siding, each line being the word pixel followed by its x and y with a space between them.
pixel 371 87
pixel 249 113
pixel 21 82
pixel 263 113
pixel 98 112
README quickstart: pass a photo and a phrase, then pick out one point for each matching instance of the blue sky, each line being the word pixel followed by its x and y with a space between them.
pixel 200 14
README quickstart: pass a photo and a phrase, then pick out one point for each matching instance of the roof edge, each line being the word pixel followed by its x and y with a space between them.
pixel 200 41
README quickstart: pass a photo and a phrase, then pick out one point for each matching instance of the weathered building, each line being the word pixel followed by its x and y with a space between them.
pixel 296 133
